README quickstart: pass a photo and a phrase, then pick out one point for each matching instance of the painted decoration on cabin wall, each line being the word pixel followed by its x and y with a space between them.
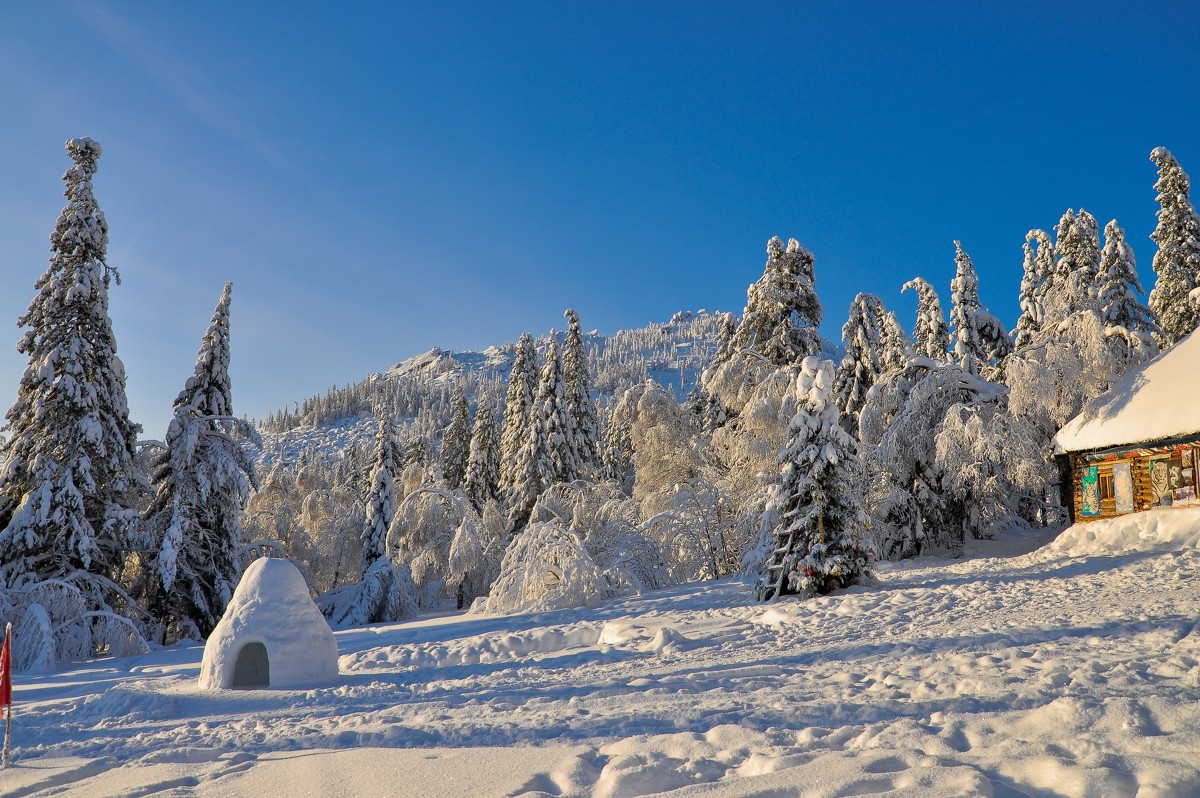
pixel 1181 492
pixel 1122 488
pixel 1160 483
pixel 1090 483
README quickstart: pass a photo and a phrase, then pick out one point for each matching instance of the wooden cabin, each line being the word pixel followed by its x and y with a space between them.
pixel 1138 446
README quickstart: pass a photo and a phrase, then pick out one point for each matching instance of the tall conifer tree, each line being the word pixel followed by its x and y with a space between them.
pixel 1177 262
pixel 815 517
pixel 930 334
pixel 202 480
pixel 860 367
pixel 583 426
pixel 482 482
pixel 1119 287
pixel 969 349
pixel 1038 269
pixel 381 498
pixel 782 318
pixel 456 440
pixel 518 409
pixel 69 476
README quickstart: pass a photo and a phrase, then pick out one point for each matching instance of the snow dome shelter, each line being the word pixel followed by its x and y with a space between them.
pixel 1138 446
pixel 271 635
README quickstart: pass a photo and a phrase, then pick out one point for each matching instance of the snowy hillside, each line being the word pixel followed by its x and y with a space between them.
pixel 416 391
pixel 1073 670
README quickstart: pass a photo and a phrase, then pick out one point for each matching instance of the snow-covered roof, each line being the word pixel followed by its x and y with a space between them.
pixel 1155 401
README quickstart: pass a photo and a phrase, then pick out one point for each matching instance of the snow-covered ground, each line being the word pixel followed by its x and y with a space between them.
pixel 1073 670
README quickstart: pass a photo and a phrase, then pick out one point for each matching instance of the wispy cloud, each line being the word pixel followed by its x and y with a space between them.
pixel 186 83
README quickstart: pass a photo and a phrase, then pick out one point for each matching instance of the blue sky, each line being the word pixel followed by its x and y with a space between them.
pixel 379 179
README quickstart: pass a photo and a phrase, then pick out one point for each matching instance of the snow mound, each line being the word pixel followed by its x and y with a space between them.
pixel 1161 529
pixel 272 608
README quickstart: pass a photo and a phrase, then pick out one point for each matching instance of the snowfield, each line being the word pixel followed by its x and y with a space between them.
pixel 1072 670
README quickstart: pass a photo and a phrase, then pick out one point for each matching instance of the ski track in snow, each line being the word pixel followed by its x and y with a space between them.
pixel 1052 673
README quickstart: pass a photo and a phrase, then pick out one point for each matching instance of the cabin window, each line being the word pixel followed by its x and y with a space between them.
pixel 1106 484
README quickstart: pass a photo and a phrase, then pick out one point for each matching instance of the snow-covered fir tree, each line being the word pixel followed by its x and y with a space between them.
pixel 1119 286
pixel 930 334
pixel 518 409
pixel 202 480
pixel 979 338
pixel 69 477
pixel 583 428
pixel 779 328
pixel 1077 249
pixel 782 317
pixel 482 482
pixel 1177 262
pixel 969 350
pixel 1038 268
pixel 726 337
pixel 553 419
pixel 895 347
pixel 860 366
pixel 544 459
pixel 380 506
pixel 814 520
pixel 456 440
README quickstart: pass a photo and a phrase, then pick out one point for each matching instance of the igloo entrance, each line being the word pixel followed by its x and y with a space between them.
pixel 253 667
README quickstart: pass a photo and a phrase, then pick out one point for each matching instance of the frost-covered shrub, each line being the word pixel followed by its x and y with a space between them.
pixel 385 594
pixel 607 521
pixel 54 622
pixel 548 567
pixel 698 533
pixel 444 541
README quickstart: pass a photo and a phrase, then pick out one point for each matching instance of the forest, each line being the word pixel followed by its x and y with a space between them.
pixel 571 468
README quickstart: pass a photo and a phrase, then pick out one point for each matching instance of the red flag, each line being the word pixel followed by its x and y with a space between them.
pixel 6 668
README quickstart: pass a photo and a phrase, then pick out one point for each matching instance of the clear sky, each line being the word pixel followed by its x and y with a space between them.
pixel 379 179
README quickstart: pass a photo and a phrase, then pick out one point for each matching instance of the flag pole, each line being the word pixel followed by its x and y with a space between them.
pixel 6 691
pixel 7 734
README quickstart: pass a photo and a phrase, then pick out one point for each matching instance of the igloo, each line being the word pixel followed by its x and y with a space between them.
pixel 271 635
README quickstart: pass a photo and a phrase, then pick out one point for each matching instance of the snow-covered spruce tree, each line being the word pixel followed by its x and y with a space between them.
pixel 1038 268
pixel 895 347
pixel 1078 251
pixel 552 419
pixel 518 409
pixel 782 315
pixel 482 481
pixel 1119 286
pixel 814 520
pixel 456 440
pixel 725 337
pixel 930 335
pixel 380 506
pixel 202 480
pixel 583 429
pixel 779 327
pixel 69 477
pixel 68 462
pixel 1177 262
pixel 979 338
pixel 860 366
